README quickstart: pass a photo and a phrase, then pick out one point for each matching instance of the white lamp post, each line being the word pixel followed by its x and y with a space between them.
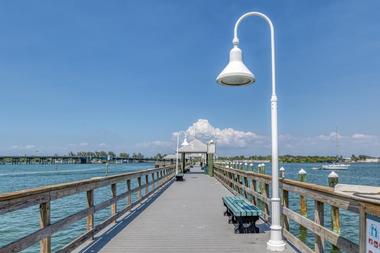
pixel 237 74
pixel 184 143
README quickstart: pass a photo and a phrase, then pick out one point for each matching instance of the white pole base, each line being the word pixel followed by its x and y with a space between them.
pixel 276 245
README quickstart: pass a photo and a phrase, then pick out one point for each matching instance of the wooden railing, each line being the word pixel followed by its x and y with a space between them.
pixel 249 183
pixel 9 202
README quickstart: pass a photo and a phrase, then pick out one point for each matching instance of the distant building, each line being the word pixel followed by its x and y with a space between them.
pixel 372 160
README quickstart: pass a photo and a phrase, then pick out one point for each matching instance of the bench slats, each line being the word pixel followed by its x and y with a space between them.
pixel 239 206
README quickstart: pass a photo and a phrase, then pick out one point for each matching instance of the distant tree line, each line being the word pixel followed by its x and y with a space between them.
pixel 122 155
pixel 297 158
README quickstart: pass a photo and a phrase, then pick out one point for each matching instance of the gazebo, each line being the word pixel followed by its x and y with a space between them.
pixel 197 147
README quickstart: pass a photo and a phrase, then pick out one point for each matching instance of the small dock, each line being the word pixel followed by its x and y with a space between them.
pixel 186 217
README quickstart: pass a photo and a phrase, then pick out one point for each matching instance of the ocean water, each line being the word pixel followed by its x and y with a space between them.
pixel 358 173
pixel 22 222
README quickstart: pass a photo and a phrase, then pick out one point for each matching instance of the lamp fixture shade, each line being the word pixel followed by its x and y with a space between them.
pixel 185 143
pixel 235 73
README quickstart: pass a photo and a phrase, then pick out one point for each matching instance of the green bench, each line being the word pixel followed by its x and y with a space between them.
pixel 179 177
pixel 242 213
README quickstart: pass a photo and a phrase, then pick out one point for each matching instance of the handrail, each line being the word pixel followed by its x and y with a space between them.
pixel 42 196
pixel 255 186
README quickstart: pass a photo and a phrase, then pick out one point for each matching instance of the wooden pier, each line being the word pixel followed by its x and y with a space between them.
pixel 187 217
pixel 170 216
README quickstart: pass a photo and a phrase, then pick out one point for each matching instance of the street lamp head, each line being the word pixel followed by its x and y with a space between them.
pixel 185 143
pixel 235 73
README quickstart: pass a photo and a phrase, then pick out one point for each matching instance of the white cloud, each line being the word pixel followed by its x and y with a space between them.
pixel 330 136
pixel 155 144
pixel 227 137
pixel 28 146
pixel 83 144
pixel 361 136
pixel 102 144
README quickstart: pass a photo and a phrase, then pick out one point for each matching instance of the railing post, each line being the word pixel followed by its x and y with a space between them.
pixel 266 194
pixel 319 219
pixel 253 188
pixel 246 185
pixel 285 196
pixel 129 192
pixel 139 189
pixel 153 182
pixel 303 205
pixel 146 184
pixel 261 187
pixel 90 218
pixel 114 205
pixel 284 200
pixel 333 180
pixel 45 244
pixel 362 229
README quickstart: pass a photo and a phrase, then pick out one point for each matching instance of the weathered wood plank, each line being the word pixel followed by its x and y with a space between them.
pixel 45 244
pixel 362 230
pixel 332 237
pixel 90 204
pixel 318 219
pixel 301 246
pixel 114 195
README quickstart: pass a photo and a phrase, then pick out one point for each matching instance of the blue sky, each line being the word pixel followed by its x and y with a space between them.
pixel 125 75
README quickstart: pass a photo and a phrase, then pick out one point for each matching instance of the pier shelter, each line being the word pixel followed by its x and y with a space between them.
pixel 197 147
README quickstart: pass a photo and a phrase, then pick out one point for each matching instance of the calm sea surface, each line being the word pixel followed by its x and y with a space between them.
pixel 20 223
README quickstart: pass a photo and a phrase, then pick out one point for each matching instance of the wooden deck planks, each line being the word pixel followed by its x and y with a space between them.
pixel 187 217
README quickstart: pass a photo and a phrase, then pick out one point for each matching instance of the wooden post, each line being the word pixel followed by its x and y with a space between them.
pixel 129 192
pixel 90 218
pixel 139 190
pixel 114 205
pixel 303 205
pixel 319 219
pixel 153 182
pixel 210 168
pixel 333 180
pixel 261 186
pixel 146 184
pixel 183 162
pixel 238 184
pixel 284 200
pixel 285 196
pixel 253 187
pixel 246 185
pixel 266 194
pixel 362 229
pixel 45 244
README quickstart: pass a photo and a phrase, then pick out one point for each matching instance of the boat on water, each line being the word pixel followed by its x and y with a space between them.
pixel 335 166
pixel 338 164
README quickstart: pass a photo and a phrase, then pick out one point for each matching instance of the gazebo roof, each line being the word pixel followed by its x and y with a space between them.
pixel 169 157
pixel 195 146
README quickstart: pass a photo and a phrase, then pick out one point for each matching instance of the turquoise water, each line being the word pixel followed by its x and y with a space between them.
pixel 360 173
pixel 22 222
